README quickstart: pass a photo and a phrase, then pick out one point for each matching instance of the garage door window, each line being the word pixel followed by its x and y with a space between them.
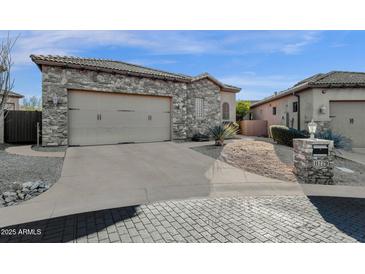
pixel 199 107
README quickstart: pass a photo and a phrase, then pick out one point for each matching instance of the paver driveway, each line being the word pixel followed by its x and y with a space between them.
pixel 228 219
pixel 102 177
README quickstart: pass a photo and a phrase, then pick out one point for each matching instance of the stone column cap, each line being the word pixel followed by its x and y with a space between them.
pixel 309 141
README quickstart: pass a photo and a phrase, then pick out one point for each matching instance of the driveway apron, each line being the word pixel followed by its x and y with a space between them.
pixel 102 177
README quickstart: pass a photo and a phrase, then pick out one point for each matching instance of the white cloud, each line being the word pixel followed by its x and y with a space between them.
pixel 256 87
pixel 160 42
pixel 268 81
pixel 296 47
pixel 77 42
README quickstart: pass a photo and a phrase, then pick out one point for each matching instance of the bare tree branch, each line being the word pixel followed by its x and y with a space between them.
pixel 6 63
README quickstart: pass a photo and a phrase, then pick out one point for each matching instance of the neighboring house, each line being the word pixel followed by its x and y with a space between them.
pixel 334 100
pixel 13 101
pixel 95 101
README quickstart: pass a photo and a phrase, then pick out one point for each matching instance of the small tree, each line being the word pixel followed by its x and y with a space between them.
pixel 6 81
pixel 242 108
pixel 32 103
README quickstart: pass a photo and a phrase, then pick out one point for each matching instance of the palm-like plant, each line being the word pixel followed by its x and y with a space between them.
pixel 222 132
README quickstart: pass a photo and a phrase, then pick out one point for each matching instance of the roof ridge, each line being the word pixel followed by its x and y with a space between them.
pixel 345 71
pixel 109 60
pixel 324 75
pixel 120 66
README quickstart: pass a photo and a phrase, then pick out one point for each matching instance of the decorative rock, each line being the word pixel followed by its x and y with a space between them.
pixel 27 185
pixel 22 192
pixel 9 196
pixel 35 185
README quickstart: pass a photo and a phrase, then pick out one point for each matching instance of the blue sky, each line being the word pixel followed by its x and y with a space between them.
pixel 260 62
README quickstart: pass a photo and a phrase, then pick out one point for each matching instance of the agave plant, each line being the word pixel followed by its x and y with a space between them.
pixel 222 132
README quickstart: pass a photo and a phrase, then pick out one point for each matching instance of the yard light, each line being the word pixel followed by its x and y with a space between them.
pixel 55 100
pixel 312 127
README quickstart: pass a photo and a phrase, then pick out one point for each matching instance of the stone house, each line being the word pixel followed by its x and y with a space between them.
pixel 334 100
pixel 95 101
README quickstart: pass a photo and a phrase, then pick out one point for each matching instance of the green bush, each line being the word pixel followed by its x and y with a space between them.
pixel 339 141
pixel 284 135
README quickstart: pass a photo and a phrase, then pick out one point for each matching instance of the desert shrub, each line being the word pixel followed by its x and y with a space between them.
pixel 339 141
pixel 284 135
pixel 232 124
pixel 223 131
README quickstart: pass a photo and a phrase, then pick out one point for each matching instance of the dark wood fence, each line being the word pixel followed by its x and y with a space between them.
pixel 21 126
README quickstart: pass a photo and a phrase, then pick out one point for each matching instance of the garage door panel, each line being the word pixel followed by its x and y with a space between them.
pixel 122 118
pixel 348 119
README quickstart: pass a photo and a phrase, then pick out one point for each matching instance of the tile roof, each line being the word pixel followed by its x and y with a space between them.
pixel 344 78
pixel 13 94
pixel 325 80
pixel 119 67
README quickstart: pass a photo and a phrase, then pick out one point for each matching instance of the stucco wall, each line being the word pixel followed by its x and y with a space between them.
pixel 283 105
pixel 322 98
pixel 230 98
pixel 12 103
pixel 57 80
pixel 311 103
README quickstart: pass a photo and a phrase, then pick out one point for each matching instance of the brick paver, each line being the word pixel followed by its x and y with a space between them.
pixel 229 219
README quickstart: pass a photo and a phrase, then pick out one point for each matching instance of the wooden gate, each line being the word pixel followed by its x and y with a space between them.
pixel 20 127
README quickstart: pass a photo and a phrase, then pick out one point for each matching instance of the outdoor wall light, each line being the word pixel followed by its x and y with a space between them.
pixel 312 127
pixel 323 109
pixel 55 100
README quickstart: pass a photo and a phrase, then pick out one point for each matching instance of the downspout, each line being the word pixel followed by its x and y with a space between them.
pixel 298 110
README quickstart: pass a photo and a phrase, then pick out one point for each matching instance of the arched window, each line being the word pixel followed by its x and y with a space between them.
pixel 225 111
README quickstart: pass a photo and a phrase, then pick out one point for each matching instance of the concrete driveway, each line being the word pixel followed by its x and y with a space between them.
pixel 102 177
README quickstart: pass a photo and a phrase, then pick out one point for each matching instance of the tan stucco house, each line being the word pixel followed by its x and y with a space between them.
pixel 96 101
pixel 334 100
pixel 13 101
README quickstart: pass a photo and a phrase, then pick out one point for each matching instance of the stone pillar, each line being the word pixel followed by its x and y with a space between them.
pixel 1 128
pixel 314 161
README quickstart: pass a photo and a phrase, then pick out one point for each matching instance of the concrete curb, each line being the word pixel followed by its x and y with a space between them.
pixel 334 190
pixel 28 151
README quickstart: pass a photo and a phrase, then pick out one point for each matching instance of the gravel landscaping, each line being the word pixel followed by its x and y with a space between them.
pixel 276 161
pixel 38 172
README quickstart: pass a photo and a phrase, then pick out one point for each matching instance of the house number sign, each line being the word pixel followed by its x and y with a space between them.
pixel 320 163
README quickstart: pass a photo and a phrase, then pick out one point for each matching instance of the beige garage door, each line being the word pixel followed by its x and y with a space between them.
pixel 107 118
pixel 348 119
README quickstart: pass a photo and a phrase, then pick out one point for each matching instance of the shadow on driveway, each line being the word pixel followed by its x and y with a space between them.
pixel 67 228
pixel 347 214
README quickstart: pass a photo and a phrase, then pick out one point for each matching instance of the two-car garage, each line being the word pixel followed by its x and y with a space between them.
pixel 96 118
pixel 348 119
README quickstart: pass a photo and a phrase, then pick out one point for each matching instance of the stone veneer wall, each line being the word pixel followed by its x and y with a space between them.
pixel 210 93
pixel 304 167
pixel 58 80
